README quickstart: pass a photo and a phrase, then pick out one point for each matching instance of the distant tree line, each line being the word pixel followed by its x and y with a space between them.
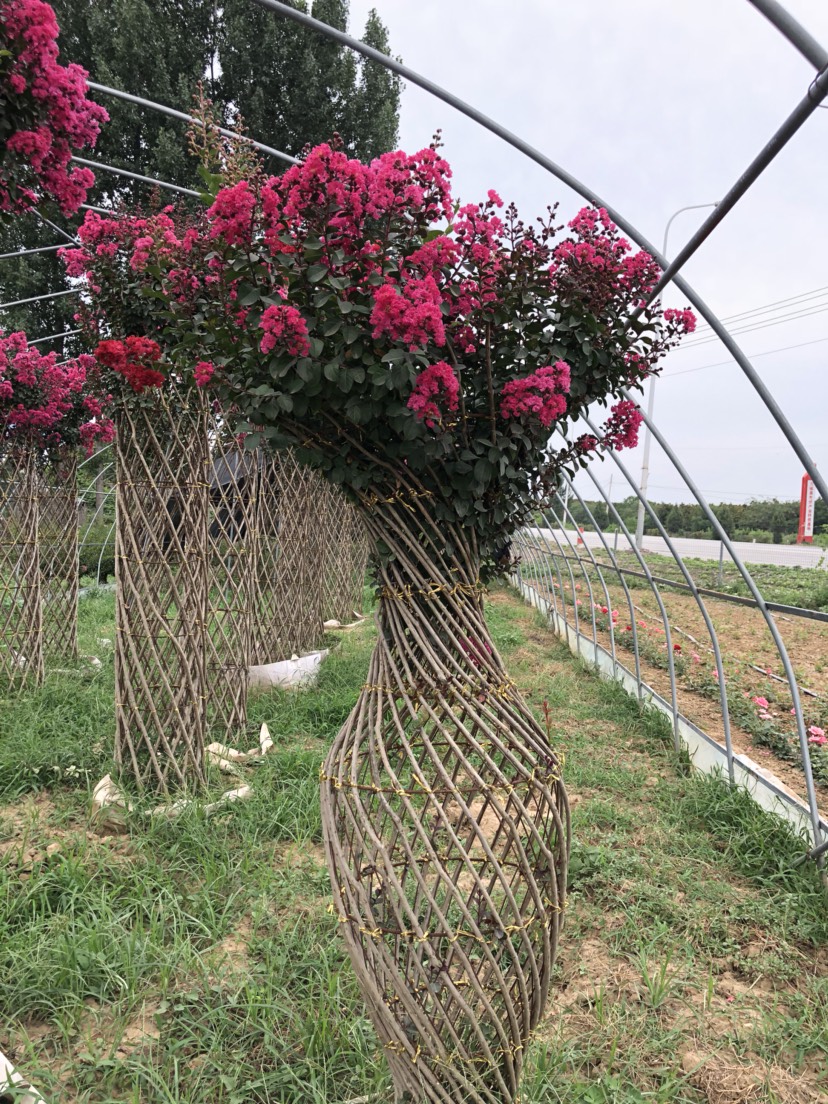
pixel 761 519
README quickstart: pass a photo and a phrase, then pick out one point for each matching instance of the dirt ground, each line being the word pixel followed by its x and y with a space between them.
pixel 746 644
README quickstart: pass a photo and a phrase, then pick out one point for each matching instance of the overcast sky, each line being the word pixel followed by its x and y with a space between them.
pixel 656 105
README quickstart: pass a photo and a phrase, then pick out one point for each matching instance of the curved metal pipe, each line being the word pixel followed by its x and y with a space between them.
pixel 136 176
pixel 588 194
pixel 587 580
pixel 39 298
pixel 556 590
pixel 572 584
pixel 795 33
pixel 27 252
pixel 54 337
pixel 69 237
pixel 631 605
pixel 173 114
pixel 597 568
pixel 668 636
pixel 691 583
pixel 575 600
pixel 760 602
pixel 817 92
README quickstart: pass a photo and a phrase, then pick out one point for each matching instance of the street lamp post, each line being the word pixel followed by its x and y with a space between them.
pixel 645 462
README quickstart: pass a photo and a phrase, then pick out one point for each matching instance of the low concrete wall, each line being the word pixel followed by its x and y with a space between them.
pixel 706 754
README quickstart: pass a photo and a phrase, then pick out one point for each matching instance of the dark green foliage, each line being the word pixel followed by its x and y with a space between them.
pixel 294 87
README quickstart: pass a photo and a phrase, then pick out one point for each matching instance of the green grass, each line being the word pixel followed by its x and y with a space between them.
pixel 805 587
pixel 197 962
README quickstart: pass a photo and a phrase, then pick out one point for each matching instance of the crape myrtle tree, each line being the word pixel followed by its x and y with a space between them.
pixel 48 414
pixel 419 353
pixel 45 117
pixel 291 86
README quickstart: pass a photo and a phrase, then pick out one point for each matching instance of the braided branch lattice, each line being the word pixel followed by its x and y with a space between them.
pixel 21 637
pixel 58 539
pixel 287 601
pixel 161 594
pixel 232 548
pixel 446 829
pixel 344 554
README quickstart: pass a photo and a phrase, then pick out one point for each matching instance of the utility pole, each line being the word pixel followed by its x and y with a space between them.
pixel 645 463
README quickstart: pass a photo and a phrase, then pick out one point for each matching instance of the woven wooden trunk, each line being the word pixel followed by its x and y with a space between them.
pixel 161 571
pixel 58 540
pixel 21 637
pixel 446 828
pixel 344 554
pixel 231 564
pixel 287 603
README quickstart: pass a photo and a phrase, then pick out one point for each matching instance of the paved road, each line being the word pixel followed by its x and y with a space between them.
pixel 785 555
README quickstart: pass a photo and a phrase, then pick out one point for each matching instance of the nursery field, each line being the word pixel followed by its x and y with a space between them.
pixel 759 699
pixel 198 961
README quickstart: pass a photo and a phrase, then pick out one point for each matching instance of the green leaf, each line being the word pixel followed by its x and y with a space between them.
pixel 316 272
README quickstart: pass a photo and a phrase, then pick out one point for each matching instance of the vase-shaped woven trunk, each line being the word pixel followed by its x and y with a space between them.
pixel 21 637
pixel 446 828
pixel 161 601
pixel 58 540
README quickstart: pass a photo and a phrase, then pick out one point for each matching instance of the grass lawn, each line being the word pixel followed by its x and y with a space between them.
pixel 198 961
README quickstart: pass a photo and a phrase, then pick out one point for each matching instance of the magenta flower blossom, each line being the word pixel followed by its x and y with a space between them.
pixel 285 327
pixel 47 110
pixel 540 394
pixel 436 382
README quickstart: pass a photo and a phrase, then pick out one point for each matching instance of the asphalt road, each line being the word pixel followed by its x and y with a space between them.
pixel 784 555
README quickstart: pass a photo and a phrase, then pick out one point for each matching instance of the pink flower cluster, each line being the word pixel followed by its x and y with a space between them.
pixel 49 112
pixel 330 188
pixel 683 320
pixel 232 214
pixel 597 266
pixel 43 403
pixel 286 328
pixel 410 313
pixel 540 394
pixel 436 384
pixel 203 373
pixel 621 428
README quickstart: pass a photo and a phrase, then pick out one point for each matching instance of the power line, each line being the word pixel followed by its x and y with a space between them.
pixel 761 326
pixel 753 356
pixel 734 494
pixel 769 306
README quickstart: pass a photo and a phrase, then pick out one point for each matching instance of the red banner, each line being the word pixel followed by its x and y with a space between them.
pixel 806 512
